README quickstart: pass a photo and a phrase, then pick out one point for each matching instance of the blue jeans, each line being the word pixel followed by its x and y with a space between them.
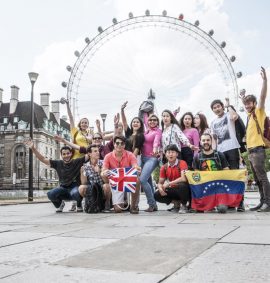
pixel 58 194
pixel 148 166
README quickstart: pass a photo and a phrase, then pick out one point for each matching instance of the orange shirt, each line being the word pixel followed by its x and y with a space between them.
pixel 128 160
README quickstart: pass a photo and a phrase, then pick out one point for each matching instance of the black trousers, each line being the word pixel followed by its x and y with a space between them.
pixel 187 155
pixel 233 158
pixel 180 193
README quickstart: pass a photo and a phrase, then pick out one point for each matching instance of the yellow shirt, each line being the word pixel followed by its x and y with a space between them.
pixel 80 140
pixel 253 138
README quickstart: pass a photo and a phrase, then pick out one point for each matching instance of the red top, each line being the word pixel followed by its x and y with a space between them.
pixel 128 160
pixel 173 172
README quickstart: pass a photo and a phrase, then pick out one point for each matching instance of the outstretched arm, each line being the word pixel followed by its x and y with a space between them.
pixel 261 103
pixel 73 145
pixel 123 116
pixel 233 115
pixel 70 116
pixel 98 126
pixel 39 156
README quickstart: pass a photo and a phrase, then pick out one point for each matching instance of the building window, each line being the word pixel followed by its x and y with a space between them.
pixel 15 119
pixel 5 120
pixel 19 164
pixel 46 173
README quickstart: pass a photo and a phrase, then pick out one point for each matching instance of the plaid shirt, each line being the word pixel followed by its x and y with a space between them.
pixel 91 174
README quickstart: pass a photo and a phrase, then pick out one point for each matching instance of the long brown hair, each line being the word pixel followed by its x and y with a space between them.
pixel 203 123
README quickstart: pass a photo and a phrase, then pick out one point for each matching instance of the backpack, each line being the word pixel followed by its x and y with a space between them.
pixel 216 158
pixel 240 129
pixel 266 131
pixel 94 201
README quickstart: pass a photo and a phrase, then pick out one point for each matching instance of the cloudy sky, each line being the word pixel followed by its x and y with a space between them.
pixel 42 36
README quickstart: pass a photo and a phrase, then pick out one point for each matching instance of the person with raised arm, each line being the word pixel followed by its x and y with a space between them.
pixel 256 142
pixel 68 171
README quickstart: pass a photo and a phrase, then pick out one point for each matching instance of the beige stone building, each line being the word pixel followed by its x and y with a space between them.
pixel 14 128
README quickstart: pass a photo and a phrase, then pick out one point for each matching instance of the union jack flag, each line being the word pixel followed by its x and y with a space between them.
pixel 123 179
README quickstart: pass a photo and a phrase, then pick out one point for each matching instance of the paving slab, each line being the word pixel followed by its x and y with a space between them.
pixel 141 254
pixel 11 227
pixel 48 250
pixel 68 274
pixel 193 231
pixel 108 232
pixel 249 235
pixel 225 263
pixel 12 238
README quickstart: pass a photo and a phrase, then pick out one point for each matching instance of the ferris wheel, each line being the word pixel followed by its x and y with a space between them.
pixel 191 31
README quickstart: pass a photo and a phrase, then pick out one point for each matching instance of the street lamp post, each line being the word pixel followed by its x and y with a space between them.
pixel 33 77
pixel 103 117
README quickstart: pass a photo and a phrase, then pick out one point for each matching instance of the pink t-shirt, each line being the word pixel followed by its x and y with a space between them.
pixel 193 136
pixel 128 160
pixel 152 138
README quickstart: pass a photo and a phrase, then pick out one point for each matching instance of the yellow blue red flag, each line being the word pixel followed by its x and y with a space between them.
pixel 212 188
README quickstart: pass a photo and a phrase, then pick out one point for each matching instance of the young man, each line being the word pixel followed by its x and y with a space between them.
pixel 256 144
pixel 91 172
pixel 210 160
pixel 223 130
pixel 172 185
pixel 68 171
pixel 119 158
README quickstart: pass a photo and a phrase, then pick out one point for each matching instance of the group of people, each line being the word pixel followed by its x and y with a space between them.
pixel 187 144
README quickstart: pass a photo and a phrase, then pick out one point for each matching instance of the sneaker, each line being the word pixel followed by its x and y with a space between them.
pixel 183 209
pixel 61 207
pixel 241 207
pixel 265 208
pixel 256 207
pixel 151 209
pixel 73 206
pixel 134 210
pixel 79 209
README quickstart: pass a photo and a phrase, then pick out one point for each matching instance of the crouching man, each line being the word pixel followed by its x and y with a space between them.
pixel 172 185
pixel 119 158
pixel 91 173
pixel 68 171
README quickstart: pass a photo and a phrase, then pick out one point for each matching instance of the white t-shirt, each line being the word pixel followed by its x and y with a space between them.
pixel 224 129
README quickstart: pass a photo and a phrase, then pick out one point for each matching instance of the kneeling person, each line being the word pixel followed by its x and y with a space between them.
pixel 176 188
pixel 91 174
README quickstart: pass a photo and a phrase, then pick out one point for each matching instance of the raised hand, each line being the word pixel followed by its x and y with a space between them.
pixel 28 142
pixel 242 93
pixel 124 105
pixel 98 123
pixel 58 138
pixel 116 119
pixel 263 74
pixel 227 102
pixel 63 100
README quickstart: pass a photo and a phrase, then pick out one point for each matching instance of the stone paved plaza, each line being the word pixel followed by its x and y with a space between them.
pixel 38 245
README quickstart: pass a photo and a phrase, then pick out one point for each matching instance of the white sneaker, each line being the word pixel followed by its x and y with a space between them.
pixel 73 206
pixel 79 209
pixel 183 209
pixel 61 207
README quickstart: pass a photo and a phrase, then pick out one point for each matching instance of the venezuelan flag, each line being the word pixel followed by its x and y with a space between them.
pixel 212 188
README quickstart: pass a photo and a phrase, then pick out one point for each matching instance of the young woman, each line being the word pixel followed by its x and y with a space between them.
pixel 171 132
pixel 200 123
pixel 81 136
pixel 187 126
pixel 150 154
pixel 134 134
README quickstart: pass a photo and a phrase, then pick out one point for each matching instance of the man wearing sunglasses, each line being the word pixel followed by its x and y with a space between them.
pixel 118 158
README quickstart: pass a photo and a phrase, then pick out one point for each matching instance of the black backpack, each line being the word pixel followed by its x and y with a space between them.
pixel 216 158
pixel 94 201
pixel 240 131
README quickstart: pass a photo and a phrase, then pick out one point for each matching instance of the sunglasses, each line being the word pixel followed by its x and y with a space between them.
pixel 152 120
pixel 119 143
pixel 97 138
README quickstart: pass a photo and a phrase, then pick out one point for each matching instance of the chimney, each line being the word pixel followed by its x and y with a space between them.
pixel 1 96
pixel 14 99
pixel 44 102
pixel 55 110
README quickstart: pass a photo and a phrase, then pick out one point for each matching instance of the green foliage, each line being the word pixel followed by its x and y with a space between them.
pixel 155 174
pixel 267 163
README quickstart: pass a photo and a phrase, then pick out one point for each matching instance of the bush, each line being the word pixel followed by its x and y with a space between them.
pixel 267 163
